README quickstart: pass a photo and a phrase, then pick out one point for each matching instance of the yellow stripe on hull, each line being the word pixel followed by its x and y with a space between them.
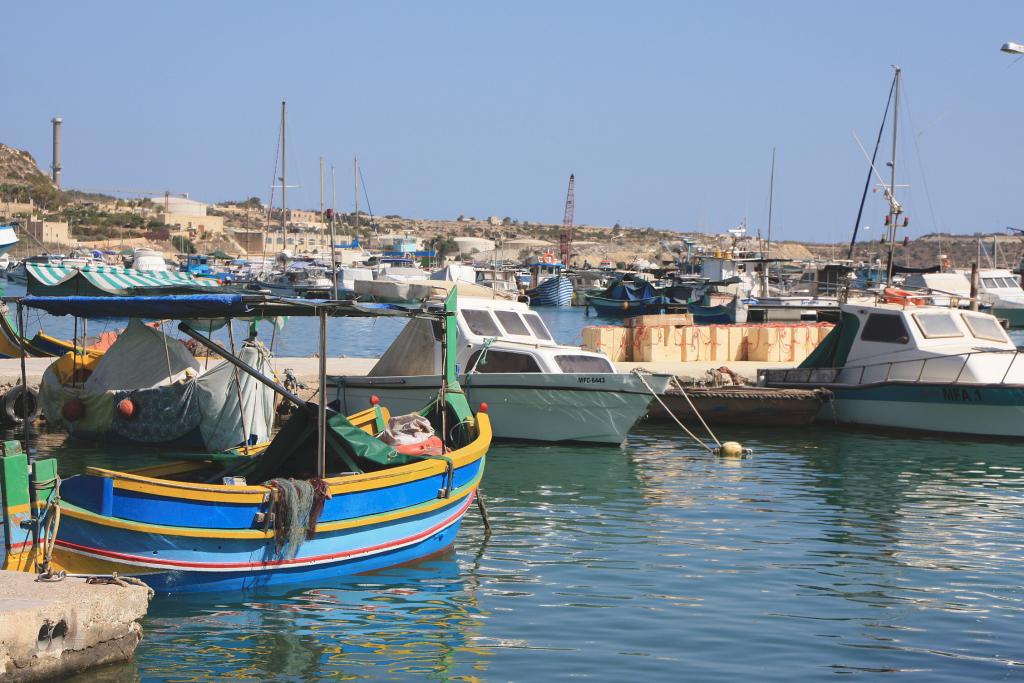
pixel 156 529
pixel 220 493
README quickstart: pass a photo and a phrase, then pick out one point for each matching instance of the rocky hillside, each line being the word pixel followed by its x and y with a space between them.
pixel 18 168
pixel 21 178
pixel 926 251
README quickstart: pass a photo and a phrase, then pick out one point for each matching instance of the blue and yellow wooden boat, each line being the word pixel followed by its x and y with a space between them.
pixel 291 512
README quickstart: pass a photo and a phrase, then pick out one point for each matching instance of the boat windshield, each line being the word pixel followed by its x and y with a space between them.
pixel 937 325
pixel 885 327
pixel 480 322
pixel 985 327
pixel 512 323
pixel 537 325
pixel 579 363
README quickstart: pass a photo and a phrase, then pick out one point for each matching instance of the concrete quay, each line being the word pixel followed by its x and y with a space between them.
pixel 307 368
pixel 52 630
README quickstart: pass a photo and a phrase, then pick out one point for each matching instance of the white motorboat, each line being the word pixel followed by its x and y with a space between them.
pixel 302 279
pixel 916 367
pixel 499 280
pixel 536 389
pixel 1000 289
pixel 347 277
pixel 8 238
pixel 148 261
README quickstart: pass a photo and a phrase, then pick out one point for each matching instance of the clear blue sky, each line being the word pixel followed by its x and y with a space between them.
pixel 666 112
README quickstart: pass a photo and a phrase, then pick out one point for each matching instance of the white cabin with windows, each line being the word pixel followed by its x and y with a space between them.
pixel 495 335
pixel 539 389
pixel 918 367
pixel 1000 289
pixel 885 343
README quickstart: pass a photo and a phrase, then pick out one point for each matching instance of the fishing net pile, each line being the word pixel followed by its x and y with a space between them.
pixel 296 510
pixel 149 389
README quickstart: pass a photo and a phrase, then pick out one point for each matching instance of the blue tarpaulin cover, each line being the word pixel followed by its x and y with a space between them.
pixel 193 306
pixel 630 290
pixel 175 307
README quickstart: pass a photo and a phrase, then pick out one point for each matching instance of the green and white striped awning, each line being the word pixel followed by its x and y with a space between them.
pixel 47 280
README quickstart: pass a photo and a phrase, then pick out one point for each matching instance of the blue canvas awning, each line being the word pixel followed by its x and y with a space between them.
pixel 45 279
pixel 193 306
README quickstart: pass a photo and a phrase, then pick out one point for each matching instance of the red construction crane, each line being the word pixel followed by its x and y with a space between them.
pixel 565 236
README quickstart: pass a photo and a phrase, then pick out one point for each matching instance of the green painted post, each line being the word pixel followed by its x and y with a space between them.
pixel 454 394
pixel 14 490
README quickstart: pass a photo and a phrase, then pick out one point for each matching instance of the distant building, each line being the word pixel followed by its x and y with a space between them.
pixel 9 210
pixel 49 232
pixel 298 216
pixel 251 241
pixel 494 220
pixel 210 225
pixel 470 245
pixel 295 241
pixel 182 206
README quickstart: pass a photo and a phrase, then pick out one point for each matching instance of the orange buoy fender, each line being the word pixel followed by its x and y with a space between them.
pixel 125 409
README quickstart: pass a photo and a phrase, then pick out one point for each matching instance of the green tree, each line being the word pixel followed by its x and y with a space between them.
pixel 445 246
pixel 183 244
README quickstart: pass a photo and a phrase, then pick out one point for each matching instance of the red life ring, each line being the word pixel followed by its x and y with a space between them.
pixel 891 295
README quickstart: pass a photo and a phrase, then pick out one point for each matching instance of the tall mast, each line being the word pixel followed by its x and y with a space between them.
pixel 894 206
pixel 355 187
pixel 334 212
pixel 284 185
pixel 321 189
pixel 768 248
pixel 568 218
pixel 871 169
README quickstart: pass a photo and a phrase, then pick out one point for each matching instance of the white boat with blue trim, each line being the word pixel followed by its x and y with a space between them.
pixel 538 389
pixel 916 367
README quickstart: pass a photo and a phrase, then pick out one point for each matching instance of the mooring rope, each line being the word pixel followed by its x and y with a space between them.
pixel 675 380
pixel 636 371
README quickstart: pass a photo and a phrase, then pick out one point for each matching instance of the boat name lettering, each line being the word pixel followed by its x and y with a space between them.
pixel 591 380
pixel 955 394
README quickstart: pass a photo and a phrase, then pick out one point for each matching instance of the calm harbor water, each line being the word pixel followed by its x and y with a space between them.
pixel 826 552
pixel 823 553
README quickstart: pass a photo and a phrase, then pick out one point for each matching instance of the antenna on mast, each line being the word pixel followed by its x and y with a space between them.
pixel 768 248
pixel 566 235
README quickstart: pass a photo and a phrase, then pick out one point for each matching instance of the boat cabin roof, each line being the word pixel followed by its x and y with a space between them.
pixel 891 329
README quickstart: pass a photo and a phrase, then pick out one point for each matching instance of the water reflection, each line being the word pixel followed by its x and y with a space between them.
pixel 824 552
pixel 419 621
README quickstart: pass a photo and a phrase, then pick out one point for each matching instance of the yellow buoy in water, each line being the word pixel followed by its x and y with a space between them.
pixel 731 449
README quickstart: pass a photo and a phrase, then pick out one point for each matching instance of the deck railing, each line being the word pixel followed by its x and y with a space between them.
pixel 825 376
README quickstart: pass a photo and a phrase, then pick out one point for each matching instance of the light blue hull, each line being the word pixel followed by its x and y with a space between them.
pixel 1013 316
pixel 971 410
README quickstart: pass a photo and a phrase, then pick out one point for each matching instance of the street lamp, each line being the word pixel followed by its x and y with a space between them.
pixel 1013 48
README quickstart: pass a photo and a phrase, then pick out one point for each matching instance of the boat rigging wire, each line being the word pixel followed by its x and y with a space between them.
pixel 871 168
